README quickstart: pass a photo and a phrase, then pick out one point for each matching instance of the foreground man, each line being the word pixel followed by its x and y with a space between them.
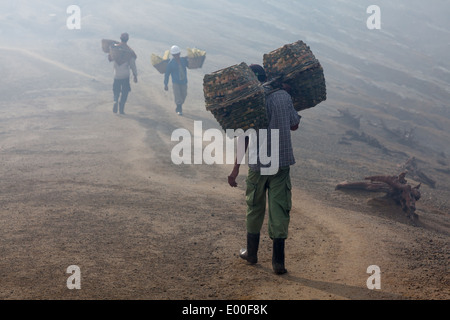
pixel 283 117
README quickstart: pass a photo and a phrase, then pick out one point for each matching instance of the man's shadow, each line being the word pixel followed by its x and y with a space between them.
pixel 339 289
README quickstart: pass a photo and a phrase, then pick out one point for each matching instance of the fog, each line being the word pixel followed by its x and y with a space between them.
pixel 81 185
pixel 400 73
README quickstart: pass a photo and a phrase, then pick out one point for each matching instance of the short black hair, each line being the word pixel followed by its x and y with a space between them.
pixel 124 37
pixel 259 72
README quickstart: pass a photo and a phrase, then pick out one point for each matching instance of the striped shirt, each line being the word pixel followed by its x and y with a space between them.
pixel 282 116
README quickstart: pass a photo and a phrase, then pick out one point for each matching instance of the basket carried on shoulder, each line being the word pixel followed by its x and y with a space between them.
pixel 196 58
pixel 118 53
pixel 236 98
pixel 121 54
pixel 160 63
pixel 107 44
pixel 196 62
pixel 297 66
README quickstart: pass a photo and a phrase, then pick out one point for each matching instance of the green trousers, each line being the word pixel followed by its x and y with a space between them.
pixel 275 188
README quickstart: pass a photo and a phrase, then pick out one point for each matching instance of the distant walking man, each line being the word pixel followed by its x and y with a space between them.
pixel 177 68
pixel 282 117
pixel 124 60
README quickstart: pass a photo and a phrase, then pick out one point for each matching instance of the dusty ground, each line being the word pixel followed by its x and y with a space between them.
pixel 82 186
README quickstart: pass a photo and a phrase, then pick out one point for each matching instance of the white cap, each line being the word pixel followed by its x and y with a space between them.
pixel 175 50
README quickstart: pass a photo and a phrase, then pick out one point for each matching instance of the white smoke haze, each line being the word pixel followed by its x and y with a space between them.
pixel 395 80
pixel 397 76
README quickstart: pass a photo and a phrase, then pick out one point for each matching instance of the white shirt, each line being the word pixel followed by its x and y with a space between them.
pixel 123 71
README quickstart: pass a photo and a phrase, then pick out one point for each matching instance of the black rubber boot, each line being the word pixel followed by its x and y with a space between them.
pixel 179 109
pixel 251 252
pixel 278 256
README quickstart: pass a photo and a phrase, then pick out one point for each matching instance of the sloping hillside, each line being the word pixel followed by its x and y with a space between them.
pixel 83 186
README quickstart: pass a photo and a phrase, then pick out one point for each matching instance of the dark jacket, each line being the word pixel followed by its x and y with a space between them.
pixel 177 71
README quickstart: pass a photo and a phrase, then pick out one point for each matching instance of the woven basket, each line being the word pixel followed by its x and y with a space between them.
pixel 196 58
pixel 196 62
pixel 107 44
pixel 120 54
pixel 162 66
pixel 236 98
pixel 298 68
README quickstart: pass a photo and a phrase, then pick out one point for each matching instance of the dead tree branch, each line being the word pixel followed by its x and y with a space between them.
pixel 396 187
pixel 350 119
pixel 413 169
pixel 406 137
pixel 363 137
